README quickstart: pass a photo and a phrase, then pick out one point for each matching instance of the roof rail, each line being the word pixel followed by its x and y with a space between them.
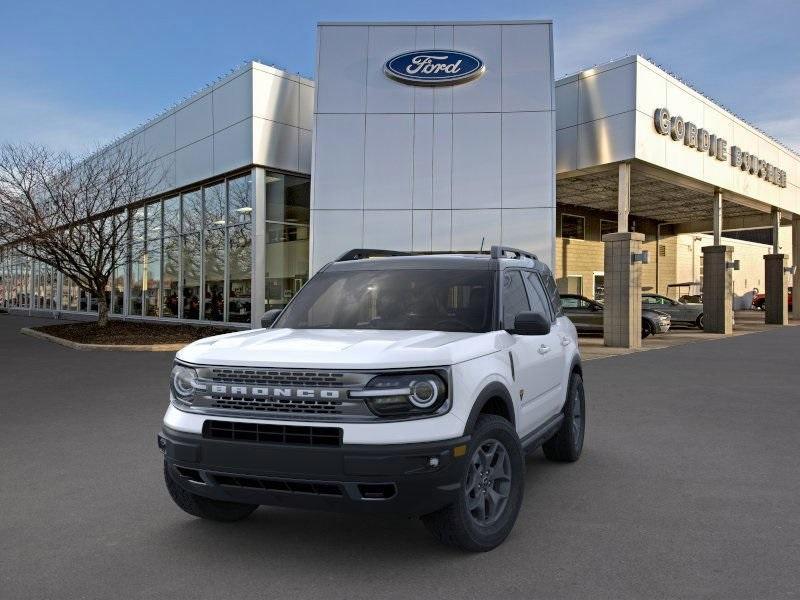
pixel 361 253
pixel 501 251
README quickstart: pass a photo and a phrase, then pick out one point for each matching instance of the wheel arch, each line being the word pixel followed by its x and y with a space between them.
pixel 576 366
pixel 494 399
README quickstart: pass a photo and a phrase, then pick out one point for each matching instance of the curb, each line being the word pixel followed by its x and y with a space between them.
pixel 120 347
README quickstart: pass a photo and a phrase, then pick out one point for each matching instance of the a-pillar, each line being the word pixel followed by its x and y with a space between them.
pixel 717 289
pixel 796 263
pixel 622 313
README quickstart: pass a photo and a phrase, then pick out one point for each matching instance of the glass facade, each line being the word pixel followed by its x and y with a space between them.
pixel 288 214
pixel 190 256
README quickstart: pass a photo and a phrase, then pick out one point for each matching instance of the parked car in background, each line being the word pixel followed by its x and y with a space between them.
pixel 587 315
pixel 759 300
pixel 681 313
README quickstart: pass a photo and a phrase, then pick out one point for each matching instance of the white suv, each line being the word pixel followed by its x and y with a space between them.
pixel 391 383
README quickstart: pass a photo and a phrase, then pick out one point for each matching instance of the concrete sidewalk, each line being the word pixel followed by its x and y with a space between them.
pixel 748 321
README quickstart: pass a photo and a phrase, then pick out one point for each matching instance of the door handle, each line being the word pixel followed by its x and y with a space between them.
pixel 544 349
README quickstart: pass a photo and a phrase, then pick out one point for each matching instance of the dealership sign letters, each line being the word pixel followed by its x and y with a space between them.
pixel 706 142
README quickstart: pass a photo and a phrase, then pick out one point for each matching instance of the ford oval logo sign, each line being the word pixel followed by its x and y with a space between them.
pixel 434 67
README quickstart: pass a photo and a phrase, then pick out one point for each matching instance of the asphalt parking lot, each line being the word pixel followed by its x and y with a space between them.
pixel 688 488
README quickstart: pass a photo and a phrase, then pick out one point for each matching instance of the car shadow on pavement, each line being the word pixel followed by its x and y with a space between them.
pixel 283 535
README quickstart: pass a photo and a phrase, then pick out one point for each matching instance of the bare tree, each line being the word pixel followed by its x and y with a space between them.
pixel 70 213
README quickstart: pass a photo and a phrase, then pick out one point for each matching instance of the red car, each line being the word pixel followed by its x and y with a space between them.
pixel 760 299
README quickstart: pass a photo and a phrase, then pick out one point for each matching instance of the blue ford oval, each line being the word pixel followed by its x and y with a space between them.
pixel 434 67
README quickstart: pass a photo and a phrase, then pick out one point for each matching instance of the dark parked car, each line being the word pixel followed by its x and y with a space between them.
pixel 587 316
pixel 681 313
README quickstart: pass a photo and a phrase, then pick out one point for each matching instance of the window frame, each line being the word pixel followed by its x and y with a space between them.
pixel 614 224
pixel 561 224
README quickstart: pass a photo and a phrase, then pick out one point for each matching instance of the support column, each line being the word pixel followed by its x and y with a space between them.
pixel 623 197
pixel 258 197
pixel 717 290
pixel 718 218
pixel 776 290
pixel 776 231
pixel 796 263
pixel 622 314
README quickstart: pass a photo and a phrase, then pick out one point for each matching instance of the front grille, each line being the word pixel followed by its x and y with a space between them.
pixel 281 485
pixel 295 406
pixel 324 394
pixel 278 377
pixel 267 433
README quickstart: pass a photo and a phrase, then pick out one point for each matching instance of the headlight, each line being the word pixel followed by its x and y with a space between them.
pixel 182 381
pixel 405 395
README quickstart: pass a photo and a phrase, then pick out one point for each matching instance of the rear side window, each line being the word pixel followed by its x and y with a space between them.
pixel 552 293
pixel 537 295
pixel 515 298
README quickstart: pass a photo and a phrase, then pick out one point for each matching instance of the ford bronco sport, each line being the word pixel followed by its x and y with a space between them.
pixel 391 383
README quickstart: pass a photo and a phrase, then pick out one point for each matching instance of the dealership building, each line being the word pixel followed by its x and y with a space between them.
pixel 448 137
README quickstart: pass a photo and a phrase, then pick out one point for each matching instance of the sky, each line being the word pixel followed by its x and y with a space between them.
pixel 76 74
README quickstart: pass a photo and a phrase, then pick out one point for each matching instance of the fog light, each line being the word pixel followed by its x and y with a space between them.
pixel 433 462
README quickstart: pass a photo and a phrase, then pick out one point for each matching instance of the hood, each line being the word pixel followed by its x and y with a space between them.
pixel 338 348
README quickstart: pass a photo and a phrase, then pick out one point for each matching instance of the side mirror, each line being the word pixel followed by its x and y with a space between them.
pixel 531 323
pixel 270 317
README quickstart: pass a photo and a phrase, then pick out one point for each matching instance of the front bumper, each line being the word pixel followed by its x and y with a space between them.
pixel 410 479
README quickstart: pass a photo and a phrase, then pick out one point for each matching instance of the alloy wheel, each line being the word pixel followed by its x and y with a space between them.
pixel 488 484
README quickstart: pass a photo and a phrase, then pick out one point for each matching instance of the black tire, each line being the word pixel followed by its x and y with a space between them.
pixel 205 508
pixel 700 321
pixel 456 525
pixel 648 328
pixel 567 443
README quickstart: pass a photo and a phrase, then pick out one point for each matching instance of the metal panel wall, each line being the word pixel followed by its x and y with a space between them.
pixel 658 89
pixel 606 115
pixel 256 115
pixel 407 167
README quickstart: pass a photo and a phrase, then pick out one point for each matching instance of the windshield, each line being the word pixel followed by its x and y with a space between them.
pixel 437 300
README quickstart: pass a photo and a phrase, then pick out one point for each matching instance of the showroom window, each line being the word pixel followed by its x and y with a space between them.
pixel 118 291
pixel 151 261
pixel 573 227
pixel 170 276
pixel 599 286
pixel 189 256
pixel 288 211
pixel 607 227
pixel 572 284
